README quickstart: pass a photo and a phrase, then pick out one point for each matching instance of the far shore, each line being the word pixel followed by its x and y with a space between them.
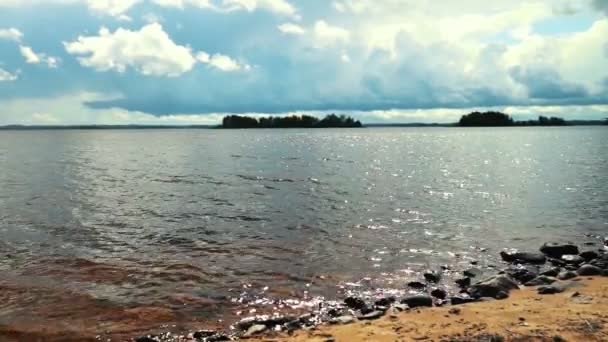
pixel 578 314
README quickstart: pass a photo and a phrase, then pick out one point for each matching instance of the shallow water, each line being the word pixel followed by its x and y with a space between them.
pixel 115 233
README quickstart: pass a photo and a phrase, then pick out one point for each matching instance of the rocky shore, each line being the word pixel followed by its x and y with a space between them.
pixel 553 269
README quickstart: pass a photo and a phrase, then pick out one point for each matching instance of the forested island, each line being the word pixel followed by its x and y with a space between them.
pixel 493 119
pixel 294 121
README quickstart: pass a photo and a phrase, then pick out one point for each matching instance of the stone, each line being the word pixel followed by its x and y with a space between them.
pixel 416 285
pixel 255 330
pixel 566 275
pixel 461 300
pixel 549 289
pixel 386 301
pixel 439 293
pixel 372 315
pixel 605 273
pixel 472 272
pixel 557 250
pixel 217 338
pixel 146 339
pixel 418 301
pixel 523 257
pixel 553 272
pixel 203 334
pixel 521 274
pixel 492 287
pixel 573 259
pixel 432 277
pixel 589 270
pixel 347 319
pixel 541 280
pixel 354 303
pixel 589 255
pixel 400 307
pixel 463 282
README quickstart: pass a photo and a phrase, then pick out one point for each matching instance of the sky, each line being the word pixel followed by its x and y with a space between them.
pixel 194 61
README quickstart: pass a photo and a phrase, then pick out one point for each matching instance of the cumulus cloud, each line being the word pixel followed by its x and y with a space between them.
pixel 601 5
pixel 326 34
pixel 32 57
pixel 150 51
pixel 11 34
pixel 6 76
pixel 115 8
pixel 291 28
pixel 544 83
pixel 221 62
pixel 281 7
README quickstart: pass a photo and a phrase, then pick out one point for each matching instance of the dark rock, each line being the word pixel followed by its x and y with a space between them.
pixel 461 300
pixel 387 301
pixel 521 274
pixel 573 259
pixel 335 312
pixel 492 286
pixel 501 295
pixel 416 285
pixel 463 282
pixel 523 257
pixel 566 275
pixel 347 319
pixel 589 243
pixel 472 272
pixel 203 334
pixel 541 280
pixel 354 303
pixel 589 270
pixel 474 262
pixel 217 338
pixel 549 289
pixel 605 273
pixel 589 255
pixel 432 277
pixel 255 329
pixel 557 262
pixel 553 272
pixel 557 250
pixel 366 309
pixel 146 339
pixel 439 293
pixel 372 315
pixel 417 301
pixel 400 307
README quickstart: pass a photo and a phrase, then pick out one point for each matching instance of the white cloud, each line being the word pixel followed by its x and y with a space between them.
pixel 291 28
pixel 150 51
pixel 221 62
pixel 11 34
pixel 32 57
pixel 115 8
pixel 326 34
pixel 276 6
pixel 6 76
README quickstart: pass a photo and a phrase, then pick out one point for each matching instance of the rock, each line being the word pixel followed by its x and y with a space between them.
pixel 472 272
pixel 573 259
pixel 432 277
pixel 335 312
pixel 354 303
pixel 366 309
pixel 549 289
pixel 589 255
pixel 557 250
pixel 347 319
pixel 416 285
pixel 523 257
pixel 217 338
pixel 492 286
pixel 499 295
pixel 255 329
pixel 146 339
pixel 522 275
pixel 454 311
pixel 372 315
pixel 605 273
pixel 541 280
pixel 461 300
pixel 417 301
pixel 557 262
pixel 386 301
pixel 439 293
pixel 553 272
pixel 589 270
pixel 199 335
pixel 463 282
pixel 400 307
pixel 566 275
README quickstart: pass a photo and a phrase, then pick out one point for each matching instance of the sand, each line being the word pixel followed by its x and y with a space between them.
pixel 578 314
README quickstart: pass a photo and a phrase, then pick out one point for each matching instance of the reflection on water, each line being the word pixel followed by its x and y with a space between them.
pixel 116 233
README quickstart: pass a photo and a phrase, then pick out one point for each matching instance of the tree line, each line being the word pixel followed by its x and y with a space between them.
pixel 293 121
pixel 492 118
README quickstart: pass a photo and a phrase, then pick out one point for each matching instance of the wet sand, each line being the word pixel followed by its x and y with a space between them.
pixel 578 314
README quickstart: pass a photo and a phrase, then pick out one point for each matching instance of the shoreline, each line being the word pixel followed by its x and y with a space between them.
pixel 537 284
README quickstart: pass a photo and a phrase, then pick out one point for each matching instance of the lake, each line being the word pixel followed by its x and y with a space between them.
pixel 120 232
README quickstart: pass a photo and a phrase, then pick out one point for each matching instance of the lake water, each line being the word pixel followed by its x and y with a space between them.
pixel 120 232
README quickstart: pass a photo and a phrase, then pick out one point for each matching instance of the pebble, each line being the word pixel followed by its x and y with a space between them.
pixel 566 275
pixel 557 250
pixel 418 301
pixel 589 270
pixel 372 315
pixel 255 329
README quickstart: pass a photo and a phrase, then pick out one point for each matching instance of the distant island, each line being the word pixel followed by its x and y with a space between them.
pixel 294 121
pixel 493 119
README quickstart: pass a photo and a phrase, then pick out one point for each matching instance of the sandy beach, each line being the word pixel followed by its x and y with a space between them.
pixel 578 314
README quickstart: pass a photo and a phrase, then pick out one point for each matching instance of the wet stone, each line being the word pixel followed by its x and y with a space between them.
pixel 463 282
pixel 589 270
pixel 372 315
pixel 589 255
pixel 439 293
pixel 573 259
pixel 461 300
pixel 541 280
pixel 553 272
pixel 557 250
pixel 387 301
pixel 354 303
pixel 566 275
pixel 146 339
pixel 203 334
pixel 347 319
pixel 472 272
pixel 418 301
pixel 492 287
pixel 432 277
pixel 523 257
pixel 522 275
pixel 549 289
pixel 416 285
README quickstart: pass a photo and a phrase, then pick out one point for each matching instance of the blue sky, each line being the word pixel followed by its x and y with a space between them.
pixel 193 61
